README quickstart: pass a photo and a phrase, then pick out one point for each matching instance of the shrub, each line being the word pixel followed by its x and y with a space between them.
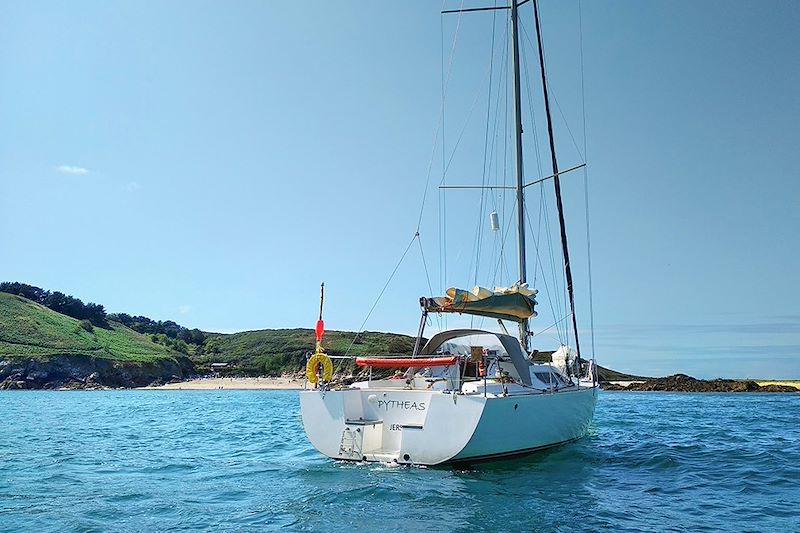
pixel 400 345
pixel 87 325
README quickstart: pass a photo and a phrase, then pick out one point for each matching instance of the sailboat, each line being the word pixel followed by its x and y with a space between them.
pixel 465 395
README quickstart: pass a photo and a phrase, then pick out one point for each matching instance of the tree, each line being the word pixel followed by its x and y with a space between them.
pixel 97 314
pixel 198 337
pixel 30 292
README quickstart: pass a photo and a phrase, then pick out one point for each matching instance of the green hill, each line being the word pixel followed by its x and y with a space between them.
pixel 272 351
pixel 40 348
pixel 28 329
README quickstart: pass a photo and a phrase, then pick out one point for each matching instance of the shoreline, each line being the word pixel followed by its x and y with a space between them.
pixel 684 383
pixel 259 383
pixel 294 383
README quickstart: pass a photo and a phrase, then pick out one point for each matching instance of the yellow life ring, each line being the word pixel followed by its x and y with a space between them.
pixel 317 359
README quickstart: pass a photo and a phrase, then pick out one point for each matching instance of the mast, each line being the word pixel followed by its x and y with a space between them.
pixel 523 326
pixel 520 187
pixel 556 182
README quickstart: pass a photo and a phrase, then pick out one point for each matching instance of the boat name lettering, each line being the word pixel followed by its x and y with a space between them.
pixel 397 404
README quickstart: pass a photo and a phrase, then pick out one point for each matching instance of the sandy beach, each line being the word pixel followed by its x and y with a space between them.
pixel 260 383
pixel 790 382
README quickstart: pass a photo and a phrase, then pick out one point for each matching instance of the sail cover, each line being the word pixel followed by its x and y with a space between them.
pixel 515 303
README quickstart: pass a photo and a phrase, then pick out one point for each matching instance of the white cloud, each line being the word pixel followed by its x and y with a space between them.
pixel 224 331
pixel 184 309
pixel 69 169
pixel 133 186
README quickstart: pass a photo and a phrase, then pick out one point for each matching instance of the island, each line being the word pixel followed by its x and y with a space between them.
pixel 50 340
pixel 684 383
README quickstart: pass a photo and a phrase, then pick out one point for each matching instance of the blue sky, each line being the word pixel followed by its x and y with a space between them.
pixel 212 162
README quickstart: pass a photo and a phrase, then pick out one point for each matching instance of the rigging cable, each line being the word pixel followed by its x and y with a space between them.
pixel 558 106
pixel 506 136
pixel 501 98
pixel 557 185
pixel 586 197
pixel 547 290
pixel 487 159
pixel 536 237
pixel 463 129
pixel 447 161
pixel 424 263
pixel 427 275
pixel 501 265
pixel 536 149
pixel 479 233
pixel 439 125
pixel 378 299
pixel 556 292
pixel 442 197
pixel 563 318
pixel 494 155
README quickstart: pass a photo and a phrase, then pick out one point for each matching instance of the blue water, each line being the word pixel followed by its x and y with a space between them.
pixel 238 461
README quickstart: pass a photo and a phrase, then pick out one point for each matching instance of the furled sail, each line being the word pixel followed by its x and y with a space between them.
pixel 515 303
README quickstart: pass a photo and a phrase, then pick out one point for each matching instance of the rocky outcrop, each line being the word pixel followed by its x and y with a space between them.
pixel 84 372
pixel 684 383
pixel 607 385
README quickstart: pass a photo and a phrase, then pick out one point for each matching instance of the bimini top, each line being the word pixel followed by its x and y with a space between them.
pixel 511 345
pixel 515 303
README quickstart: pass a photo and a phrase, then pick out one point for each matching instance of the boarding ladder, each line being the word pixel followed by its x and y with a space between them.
pixel 350 446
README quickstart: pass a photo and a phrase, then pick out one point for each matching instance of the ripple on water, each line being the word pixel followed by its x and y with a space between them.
pixel 238 460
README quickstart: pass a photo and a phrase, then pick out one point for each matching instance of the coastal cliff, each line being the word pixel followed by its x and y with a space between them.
pixel 86 372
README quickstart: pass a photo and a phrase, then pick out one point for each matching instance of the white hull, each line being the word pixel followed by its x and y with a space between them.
pixel 428 427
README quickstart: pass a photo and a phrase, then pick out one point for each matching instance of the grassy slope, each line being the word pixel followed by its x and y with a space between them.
pixel 28 329
pixel 278 350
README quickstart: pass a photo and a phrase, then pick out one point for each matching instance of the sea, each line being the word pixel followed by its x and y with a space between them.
pixel 159 460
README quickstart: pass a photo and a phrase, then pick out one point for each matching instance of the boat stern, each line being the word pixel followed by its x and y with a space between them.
pixel 403 426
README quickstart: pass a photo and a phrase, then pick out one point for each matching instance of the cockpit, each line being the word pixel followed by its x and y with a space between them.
pixel 479 362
